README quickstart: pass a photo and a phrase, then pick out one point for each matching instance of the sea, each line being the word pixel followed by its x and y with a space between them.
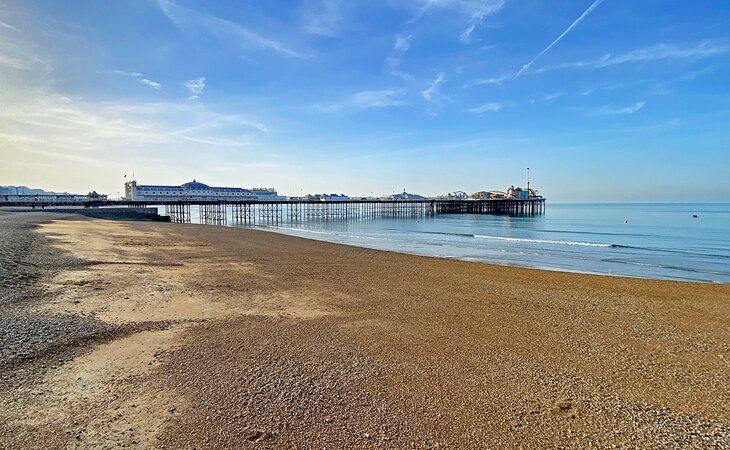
pixel 672 241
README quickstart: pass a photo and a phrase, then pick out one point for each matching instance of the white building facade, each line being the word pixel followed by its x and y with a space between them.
pixel 196 191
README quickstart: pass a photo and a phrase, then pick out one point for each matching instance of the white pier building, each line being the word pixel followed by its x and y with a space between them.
pixel 195 191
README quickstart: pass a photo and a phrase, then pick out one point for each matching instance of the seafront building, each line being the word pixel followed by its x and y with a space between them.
pixel 23 194
pixel 196 191
pixel 48 198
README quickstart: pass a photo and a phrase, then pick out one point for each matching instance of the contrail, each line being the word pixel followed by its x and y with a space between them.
pixel 567 30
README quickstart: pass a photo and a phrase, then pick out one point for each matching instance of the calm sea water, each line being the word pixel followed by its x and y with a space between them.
pixel 639 240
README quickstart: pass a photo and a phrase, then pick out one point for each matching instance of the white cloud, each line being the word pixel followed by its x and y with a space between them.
pixel 323 18
pixel 18 54
pixel 394 60
pixel 402 43
pixel 431 94
pixel 477 19
pixel 606 110
pixel 150 83
pixel 647 54
pixel 13 63
pixel 128 74
pixel 575 23
pixel 487 107
pixel 475 10
pixel 235 167
pixel 50 121
pixel 377 99
pixel 7 26
pixel 240 142
pixel 364 100
pixel 552 96
pixel 492 80
pixel 327 107
pixel 195 86
pixel 83 159
pixel 223 29
pixel 138 78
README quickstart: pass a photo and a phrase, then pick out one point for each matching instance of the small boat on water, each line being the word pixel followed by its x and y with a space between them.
pixel 694 215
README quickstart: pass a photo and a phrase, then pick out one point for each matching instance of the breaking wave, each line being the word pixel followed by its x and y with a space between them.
pixel 547 241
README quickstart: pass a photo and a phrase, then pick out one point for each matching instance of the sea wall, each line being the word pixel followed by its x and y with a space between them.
pixel 148 213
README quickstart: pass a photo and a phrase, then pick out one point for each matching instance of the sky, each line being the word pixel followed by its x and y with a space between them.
pixel 604 100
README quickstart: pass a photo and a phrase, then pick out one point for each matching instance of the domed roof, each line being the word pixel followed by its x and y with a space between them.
pixel 194 185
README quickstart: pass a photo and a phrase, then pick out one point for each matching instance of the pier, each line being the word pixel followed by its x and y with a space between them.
pixel 296 211
pixel 249 212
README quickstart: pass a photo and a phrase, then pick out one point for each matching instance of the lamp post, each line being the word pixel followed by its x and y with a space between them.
pixel 528 181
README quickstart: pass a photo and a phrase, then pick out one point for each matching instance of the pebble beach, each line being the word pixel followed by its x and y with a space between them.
pixel 139 334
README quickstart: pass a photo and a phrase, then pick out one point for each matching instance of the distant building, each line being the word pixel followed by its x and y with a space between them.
pixel 517 193
pixel 195 191
pixel 481 195
pixel 326 198
pixel 23 194
pixel 336 197
pixel 532 193
pixel 457 195
pixel 95 197
pixel 68 199
pixel 405 196
pixel 23 190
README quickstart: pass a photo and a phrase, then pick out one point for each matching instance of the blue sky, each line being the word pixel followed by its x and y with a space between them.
pixel 609 100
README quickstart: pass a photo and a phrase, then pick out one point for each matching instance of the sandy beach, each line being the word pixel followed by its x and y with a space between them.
pixel 140 334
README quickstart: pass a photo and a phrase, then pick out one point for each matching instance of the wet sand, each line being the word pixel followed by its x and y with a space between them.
pixel 230 338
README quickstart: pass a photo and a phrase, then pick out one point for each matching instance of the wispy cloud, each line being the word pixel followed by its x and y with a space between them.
pixel 575 23
pixel 323 17
pixel 234 166
pixel 431 94
pixel 552 96
pixel 477 18
pixel 392 63
pixel 137 76
pixel 364 100
pixel 647 54
pixel 195 86
pixel 13 63
pixel 491 80
pixel 56 126
pixel 83 159
pixel 128 74
pixel 475 10
pixel 487 107
pixel 240 142
pixel 377 99
pixel 607 110
pixel 19 54
pixel 150 83
pixel 223 29
pixel 402 43
pixel 7 26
